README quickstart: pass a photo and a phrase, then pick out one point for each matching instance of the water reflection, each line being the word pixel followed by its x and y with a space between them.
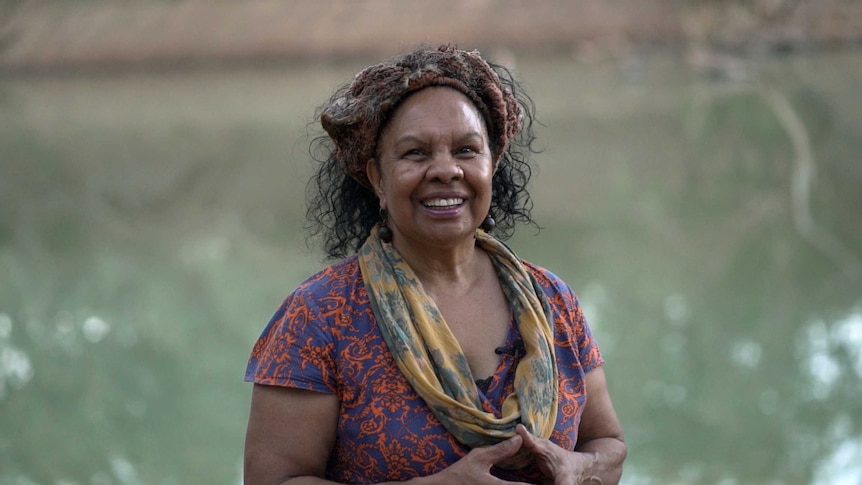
pixel 95 329
pixel 844 465
pixel 148 228
pixel 15 367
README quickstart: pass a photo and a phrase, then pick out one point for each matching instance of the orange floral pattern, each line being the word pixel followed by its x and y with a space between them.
pixel 324 338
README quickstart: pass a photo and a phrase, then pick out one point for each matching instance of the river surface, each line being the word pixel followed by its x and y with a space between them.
pixel 709 219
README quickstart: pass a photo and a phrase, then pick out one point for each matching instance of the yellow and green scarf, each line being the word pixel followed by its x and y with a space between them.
pixel 432 360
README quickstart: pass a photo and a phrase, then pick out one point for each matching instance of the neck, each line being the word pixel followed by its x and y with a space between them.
pixel 446 269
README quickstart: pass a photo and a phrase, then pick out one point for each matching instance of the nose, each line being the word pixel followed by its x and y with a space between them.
pixel 445 168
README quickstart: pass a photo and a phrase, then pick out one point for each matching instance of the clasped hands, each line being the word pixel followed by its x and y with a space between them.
pixel 558 466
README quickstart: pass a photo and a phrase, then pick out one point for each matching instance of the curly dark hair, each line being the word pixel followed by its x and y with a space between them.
pixel 342 208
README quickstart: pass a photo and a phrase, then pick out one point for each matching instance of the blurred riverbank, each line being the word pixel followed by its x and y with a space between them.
pixel 39 36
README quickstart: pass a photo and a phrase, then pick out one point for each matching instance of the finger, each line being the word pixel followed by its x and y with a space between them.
pixel 537 446
pixel 502 450
pixel 529 440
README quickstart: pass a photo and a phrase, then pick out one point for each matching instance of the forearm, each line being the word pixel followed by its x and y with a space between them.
pixel 604 460
pixel 321 481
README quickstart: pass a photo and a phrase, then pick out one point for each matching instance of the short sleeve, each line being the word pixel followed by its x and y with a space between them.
pixel 296 347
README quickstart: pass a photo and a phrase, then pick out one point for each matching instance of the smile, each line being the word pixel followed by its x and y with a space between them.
pixel 443 203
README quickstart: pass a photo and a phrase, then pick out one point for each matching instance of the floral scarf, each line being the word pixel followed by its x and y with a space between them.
pixel 430 357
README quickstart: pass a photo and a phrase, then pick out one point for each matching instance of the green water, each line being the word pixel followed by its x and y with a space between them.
pixel 151 223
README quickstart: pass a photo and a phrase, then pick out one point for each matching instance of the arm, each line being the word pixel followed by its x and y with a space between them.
pixel 599 454
pixel 600 435
pixel 291 433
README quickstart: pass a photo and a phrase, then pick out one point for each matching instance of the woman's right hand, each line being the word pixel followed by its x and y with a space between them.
pixel 475 467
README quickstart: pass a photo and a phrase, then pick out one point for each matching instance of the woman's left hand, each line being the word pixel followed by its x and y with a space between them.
pixel 599 454
pixel 559 466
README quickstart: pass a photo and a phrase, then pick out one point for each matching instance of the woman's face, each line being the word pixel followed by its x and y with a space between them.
pixel 435 169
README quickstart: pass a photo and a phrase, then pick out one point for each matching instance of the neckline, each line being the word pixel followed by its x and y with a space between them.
pixel 507 361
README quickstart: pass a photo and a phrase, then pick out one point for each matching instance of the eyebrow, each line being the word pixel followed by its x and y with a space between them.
pixel 418 139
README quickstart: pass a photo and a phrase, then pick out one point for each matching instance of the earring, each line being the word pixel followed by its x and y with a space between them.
pixel 488 224
pixel 384 232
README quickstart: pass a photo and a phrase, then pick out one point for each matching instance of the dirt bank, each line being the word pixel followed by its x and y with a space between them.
pixel 46 35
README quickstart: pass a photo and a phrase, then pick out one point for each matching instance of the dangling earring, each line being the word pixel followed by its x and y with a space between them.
pixel 384 232
pixel 488 224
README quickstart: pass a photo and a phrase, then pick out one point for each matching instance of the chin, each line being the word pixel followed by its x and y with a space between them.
pixel 450 236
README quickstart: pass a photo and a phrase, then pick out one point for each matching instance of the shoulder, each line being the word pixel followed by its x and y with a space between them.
pixel 310 313
pixel 332 291
pixel 550 282
pixel 343 275
pixel 562 299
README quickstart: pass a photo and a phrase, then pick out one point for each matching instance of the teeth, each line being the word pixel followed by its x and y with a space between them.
pixel 443 202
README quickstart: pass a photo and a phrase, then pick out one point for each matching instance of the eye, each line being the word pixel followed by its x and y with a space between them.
pixel 467 151
pixel 413 154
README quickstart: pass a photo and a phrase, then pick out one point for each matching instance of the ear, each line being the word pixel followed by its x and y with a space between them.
pixel 376 180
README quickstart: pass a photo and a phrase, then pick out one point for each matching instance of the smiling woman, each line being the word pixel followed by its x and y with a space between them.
pixel 387 365
pixel 433 171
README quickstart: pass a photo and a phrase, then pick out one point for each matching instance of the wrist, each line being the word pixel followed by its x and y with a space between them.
pixel 585 467
pixel 429 480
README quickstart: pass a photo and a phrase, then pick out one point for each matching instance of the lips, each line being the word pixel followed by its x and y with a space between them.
pixel 443 203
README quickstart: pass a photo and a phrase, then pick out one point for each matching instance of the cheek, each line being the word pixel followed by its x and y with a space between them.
pixel 403 178
pixel 485 176
pixel 391 190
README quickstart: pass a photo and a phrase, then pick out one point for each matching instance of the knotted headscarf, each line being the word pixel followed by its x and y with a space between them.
pixel 354 117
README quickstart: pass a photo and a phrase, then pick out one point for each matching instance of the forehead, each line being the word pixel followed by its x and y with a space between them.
pixel 435 106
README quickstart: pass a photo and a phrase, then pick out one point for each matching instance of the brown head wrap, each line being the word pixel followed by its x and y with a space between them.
pixel 353 120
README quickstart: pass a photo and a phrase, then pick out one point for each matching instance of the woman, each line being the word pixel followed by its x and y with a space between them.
pixel 432 353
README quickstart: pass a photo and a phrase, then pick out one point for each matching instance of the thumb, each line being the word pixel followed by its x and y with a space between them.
pixel 522 431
